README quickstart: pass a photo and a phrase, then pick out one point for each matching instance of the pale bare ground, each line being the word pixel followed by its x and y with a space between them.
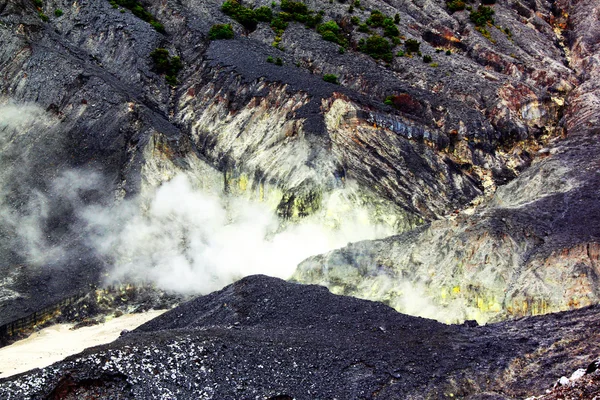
pixel 56 342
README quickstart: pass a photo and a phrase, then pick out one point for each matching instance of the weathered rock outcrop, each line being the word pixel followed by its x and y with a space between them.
pixel 531 249
pixel 454 131
pixel 258 339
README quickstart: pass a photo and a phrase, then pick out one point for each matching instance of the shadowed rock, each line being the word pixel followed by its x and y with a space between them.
pixel 264 338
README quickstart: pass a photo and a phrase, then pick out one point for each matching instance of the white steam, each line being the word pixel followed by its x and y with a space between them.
pixel 179 236
pixel 22 227
pixel 15 116
pixel 185 240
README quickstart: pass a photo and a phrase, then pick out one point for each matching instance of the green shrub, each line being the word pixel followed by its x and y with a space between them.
pixel 220 31
pixel 157 26
pixel 176 65
pixel 331 32
pixel 397 18
pixel 486 34
pixel 331 26
pixel 139 11
pixel 43 16
pixel 331 78
pixel 171 80
pixel 400 53
pixel 247 18
pixel 312 21
pixel 294 7
pixel 58 12
pixel 482 16
pixel 38 3
pixel 279 62
pixel 164 64
pixel 270 60
pixel 389 28
pixel 448 52
pixel 377 47
pixel 376 19
pixel 364 28
pixel 455 5
pixel 355 20
pixel 230 7
pixel 161 59
pixel 412 46
pixel 427 58
pixel 329 36
pixel 278 25
pixel 351 9
pixel 244 15
pixel 263 14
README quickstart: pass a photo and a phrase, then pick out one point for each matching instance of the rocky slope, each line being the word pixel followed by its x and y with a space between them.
pixel 531 249
pixel 494 99
pixel 254 339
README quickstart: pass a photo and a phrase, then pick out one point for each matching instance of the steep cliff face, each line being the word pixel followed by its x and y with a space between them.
pixel 531 249
pixel 403 141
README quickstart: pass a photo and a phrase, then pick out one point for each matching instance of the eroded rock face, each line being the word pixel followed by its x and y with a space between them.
pixel 279 134
pixel 265 338
pixel 531 249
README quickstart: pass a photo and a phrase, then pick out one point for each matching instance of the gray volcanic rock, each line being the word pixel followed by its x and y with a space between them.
pixel 264 338
pixel 96 121
pixel 531 248
pixel 458 129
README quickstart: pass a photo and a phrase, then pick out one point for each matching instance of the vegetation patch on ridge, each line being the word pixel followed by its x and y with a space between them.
pixel 139 11
pixel 165 64
pixel 220 31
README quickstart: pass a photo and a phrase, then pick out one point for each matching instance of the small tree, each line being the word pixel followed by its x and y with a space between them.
pixel 377 47
pixel 389 28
